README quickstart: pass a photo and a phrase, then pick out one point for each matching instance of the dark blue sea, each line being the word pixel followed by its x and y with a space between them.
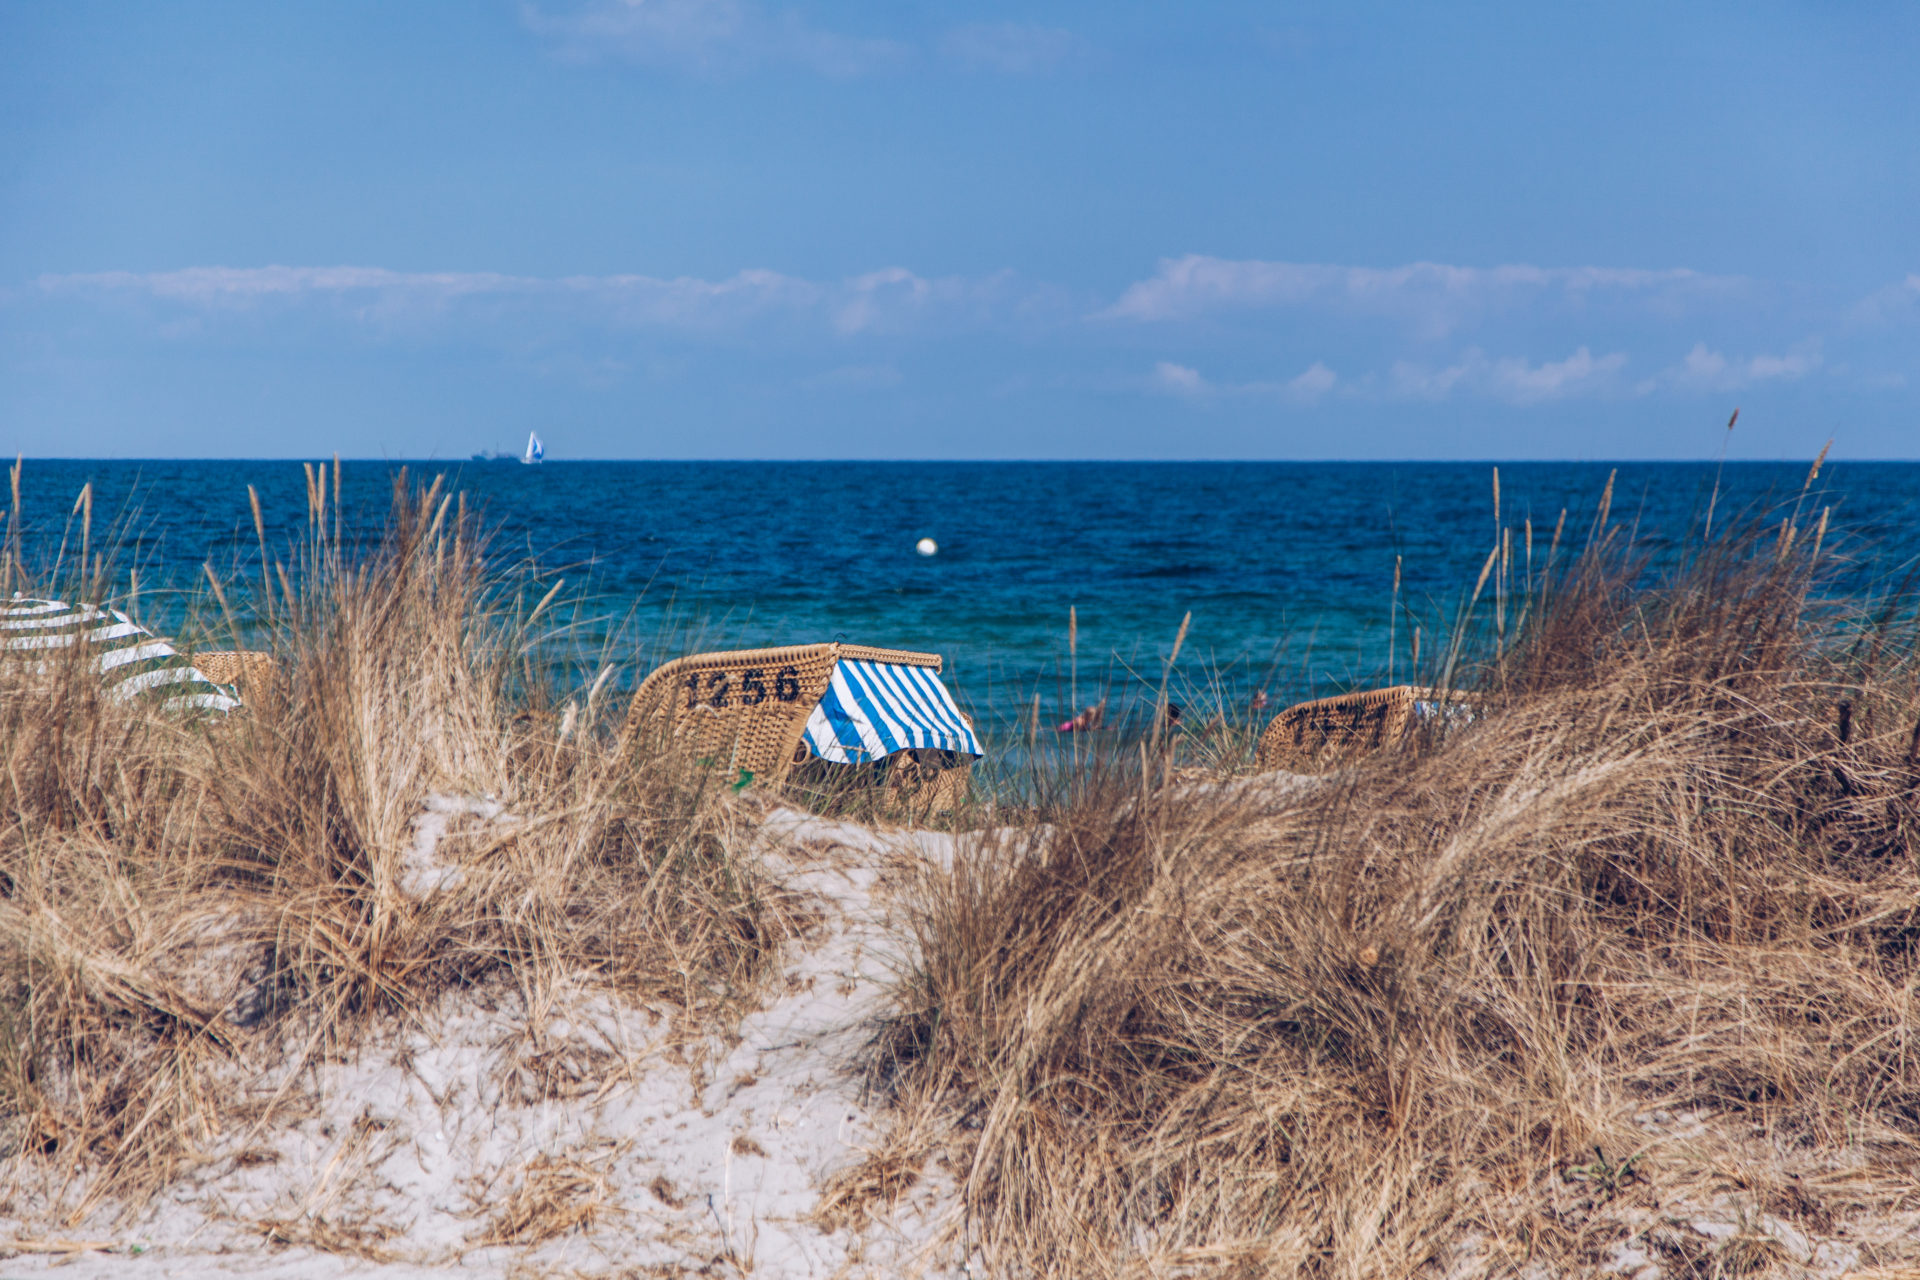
pixel 1286 569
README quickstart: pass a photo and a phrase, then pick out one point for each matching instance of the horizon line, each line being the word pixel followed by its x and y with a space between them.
pixel 1043 461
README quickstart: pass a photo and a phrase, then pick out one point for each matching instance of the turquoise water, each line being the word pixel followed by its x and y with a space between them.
pixel 1286 569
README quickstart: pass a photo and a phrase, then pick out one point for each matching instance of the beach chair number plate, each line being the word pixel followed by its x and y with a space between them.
pixel 753 687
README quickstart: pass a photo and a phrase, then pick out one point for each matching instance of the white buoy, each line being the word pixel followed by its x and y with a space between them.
pixel 927 547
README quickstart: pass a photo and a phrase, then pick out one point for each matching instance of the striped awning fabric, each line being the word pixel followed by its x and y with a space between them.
pixel 130 659
pixel 873 709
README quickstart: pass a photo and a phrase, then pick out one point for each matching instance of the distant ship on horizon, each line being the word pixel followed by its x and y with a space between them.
pixel 535 452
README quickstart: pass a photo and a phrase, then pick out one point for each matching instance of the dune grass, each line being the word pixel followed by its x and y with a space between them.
pixel 1645 934
pixel 169 883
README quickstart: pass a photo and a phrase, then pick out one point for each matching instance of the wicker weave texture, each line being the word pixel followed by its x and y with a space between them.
pixel 243 667
pixel 747 708
pixel 1327 732
pixel 923 783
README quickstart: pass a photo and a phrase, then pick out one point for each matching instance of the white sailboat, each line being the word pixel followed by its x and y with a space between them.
pixel 535 450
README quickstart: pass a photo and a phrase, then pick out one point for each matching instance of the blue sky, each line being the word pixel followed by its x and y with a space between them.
pixel 727 228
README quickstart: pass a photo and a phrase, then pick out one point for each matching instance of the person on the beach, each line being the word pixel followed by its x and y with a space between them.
pixel 1087 720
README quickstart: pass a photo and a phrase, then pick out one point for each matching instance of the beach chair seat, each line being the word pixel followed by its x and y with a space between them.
pixel 763 712
pixel 241 668
pixel 1328 732
pixel 923 782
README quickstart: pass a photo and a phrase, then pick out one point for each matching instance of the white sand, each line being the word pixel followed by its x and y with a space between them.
pixel 708 1162
pixel 411 1150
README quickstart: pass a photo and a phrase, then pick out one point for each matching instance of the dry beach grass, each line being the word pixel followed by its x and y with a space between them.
pixel 1619 976
pixel 170 889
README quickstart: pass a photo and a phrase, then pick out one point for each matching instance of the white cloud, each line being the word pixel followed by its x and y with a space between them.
pixel 245 284
pixel 707 36
pixel 1704 369
pixel 1894 302
pixel 883 301
pixel 1179 379
pixel 1795 364
pixel 1509 378
pixel 1315 382
pixel 1434 298
pixel 688 301
pixel 1417 382
pixel 879 299
pixel 725 37
pixel 1703 366
pixel 600 316
pixel 1014 48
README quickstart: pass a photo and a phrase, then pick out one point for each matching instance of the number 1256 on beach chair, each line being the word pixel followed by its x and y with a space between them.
pixel 765 711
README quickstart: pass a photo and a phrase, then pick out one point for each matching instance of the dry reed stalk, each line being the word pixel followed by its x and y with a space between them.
pixel 1393 617
pixel 12 578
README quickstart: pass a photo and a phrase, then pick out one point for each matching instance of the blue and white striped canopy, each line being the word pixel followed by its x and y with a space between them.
pixel 130 659
pixel 873 709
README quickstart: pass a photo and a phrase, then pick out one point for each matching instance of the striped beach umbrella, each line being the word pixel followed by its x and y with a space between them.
pixel 873 709
pixel 131 660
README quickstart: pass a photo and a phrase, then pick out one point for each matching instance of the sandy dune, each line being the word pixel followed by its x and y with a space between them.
pixel 667 1157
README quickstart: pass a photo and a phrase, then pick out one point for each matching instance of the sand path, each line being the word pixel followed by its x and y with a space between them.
pixel 402 1161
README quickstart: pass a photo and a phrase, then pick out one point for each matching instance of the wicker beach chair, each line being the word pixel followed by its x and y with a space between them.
pixel 764 711
pixel 242 668
pixel 1328 732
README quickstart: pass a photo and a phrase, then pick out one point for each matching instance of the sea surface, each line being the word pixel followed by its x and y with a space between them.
pixel 1285 570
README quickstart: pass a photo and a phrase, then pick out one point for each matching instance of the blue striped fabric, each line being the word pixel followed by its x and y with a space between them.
pixel 130 659
pixel 873 709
